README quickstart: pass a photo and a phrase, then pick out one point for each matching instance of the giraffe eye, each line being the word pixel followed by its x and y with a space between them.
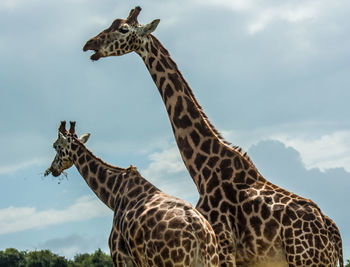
pixel 123 30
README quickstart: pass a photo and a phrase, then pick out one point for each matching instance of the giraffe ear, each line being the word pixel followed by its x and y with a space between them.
pixel 150 27
pixel 83 138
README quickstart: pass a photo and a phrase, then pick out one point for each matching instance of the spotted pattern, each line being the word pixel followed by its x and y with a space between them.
pixel 150 228
pixel 256 223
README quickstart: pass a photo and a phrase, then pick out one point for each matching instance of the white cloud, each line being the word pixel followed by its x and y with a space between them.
pixel 259 15
pixel 16 4
pixel 165 162
pixel 317 149
pixel 9 4
pixel 167 171
pixel 237 5
pixel 22 149
pixel 286 12
pixel 16 219
pixel 73 244
pixel 326 152
pixel 12 168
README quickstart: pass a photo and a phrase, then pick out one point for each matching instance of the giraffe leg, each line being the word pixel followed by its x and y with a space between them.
pixel 226 248
pixel 226 254
pixel 119 258
pixel 120 262
pixel 228 261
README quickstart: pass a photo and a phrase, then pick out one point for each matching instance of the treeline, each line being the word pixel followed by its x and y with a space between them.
pixel 11 257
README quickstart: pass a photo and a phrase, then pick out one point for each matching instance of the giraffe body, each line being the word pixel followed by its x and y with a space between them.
pixel 256 222
pixel 150 228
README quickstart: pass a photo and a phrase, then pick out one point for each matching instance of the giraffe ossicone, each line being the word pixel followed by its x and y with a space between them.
pixel 256 222
pixel 150 228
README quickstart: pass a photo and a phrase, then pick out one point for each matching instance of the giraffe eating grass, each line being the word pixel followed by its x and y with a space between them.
pixel 150 228
pixel 256 222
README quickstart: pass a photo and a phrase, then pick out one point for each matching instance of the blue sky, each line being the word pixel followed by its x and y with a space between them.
pixel 273 78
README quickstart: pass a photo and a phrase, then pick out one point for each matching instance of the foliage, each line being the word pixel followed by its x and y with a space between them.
pixel 12 257
pixel 98 259
pixel 45 258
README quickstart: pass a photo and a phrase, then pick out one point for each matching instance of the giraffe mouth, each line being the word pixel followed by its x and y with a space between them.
pixel 53 172
pixel 47 172
pixel 95 56
pixel 92 45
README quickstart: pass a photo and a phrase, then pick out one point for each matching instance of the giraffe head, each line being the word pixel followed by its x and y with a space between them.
pixel 64 148
pixel 122 37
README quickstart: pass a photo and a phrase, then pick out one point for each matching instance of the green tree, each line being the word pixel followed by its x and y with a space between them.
pixel 12 257
pixel 347 264
pixel 101 259
pixel 96 259
pixel 81 260
pixel 45 258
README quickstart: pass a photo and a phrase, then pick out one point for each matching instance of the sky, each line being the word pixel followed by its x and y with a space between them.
pixel 273 77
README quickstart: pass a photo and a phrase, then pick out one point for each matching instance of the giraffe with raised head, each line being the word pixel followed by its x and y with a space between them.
pixel 256 222
pixel 150 228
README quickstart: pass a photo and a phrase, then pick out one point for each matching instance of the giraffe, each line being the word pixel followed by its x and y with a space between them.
pixel 256 222
pixel 150 228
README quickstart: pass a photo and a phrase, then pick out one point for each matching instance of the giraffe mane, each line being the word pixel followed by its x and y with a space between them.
pixel 88 151
pixel 237 149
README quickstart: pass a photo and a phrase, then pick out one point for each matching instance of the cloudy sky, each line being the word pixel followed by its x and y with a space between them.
pixel 272 77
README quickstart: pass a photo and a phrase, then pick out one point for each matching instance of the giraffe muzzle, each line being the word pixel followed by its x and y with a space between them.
pixel 92 45
pixel 53 172
pixel 95 56
pixel 47 172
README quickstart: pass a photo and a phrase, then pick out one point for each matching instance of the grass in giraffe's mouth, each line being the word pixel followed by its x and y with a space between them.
pixel 47 172
pixel 60 176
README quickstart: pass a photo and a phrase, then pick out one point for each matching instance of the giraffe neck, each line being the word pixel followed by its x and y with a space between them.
pixel 195 136
pixel 106 181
